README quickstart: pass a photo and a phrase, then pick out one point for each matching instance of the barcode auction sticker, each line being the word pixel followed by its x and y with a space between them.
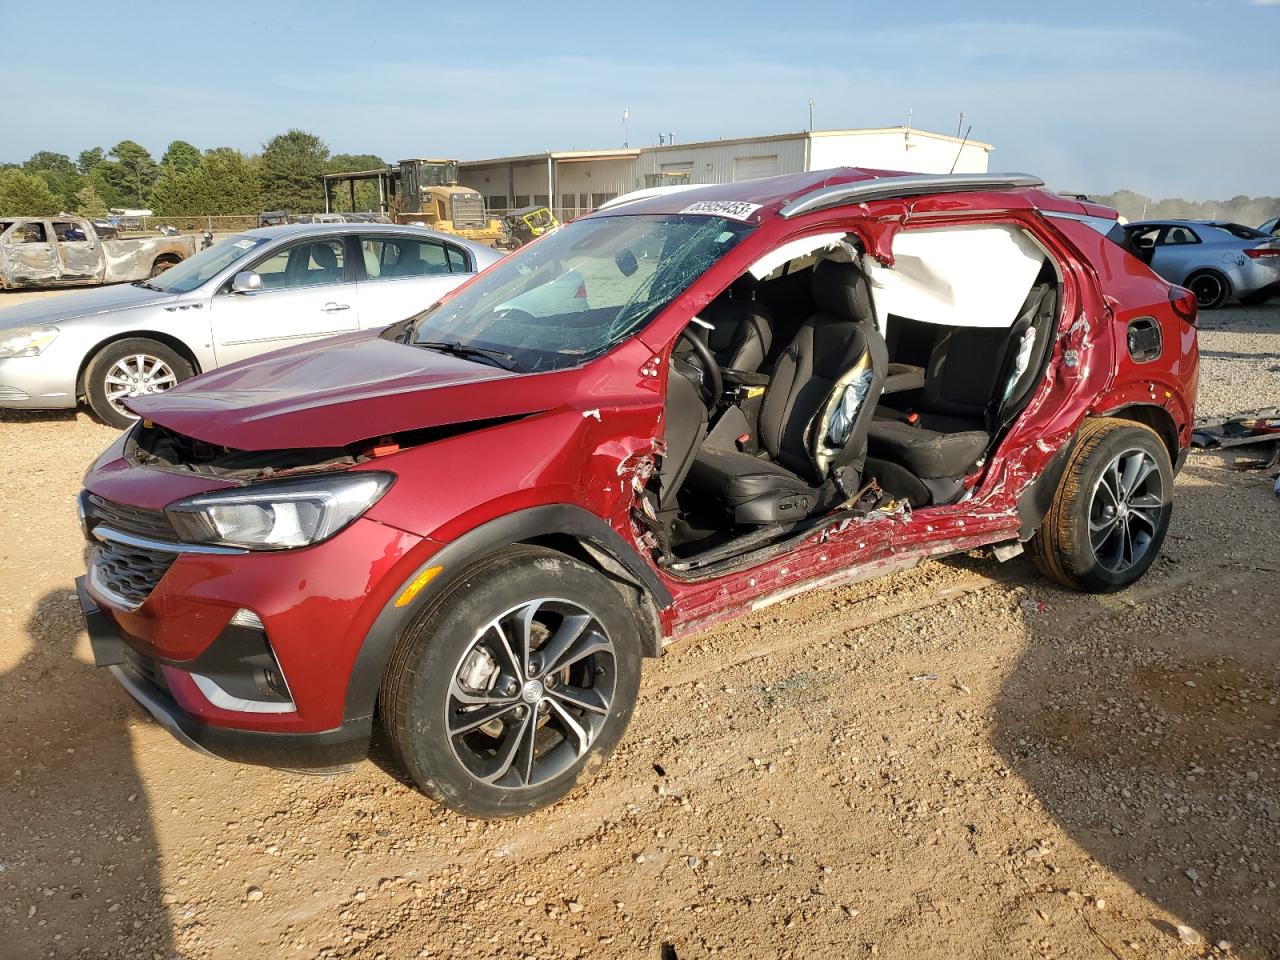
pixel 732 209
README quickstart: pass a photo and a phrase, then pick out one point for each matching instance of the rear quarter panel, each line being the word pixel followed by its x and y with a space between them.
pixel 1132 290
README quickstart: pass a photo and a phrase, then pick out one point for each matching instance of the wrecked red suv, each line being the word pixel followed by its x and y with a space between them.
pixel 474 524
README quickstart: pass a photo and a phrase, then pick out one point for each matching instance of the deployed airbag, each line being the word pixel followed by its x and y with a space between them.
pixel 974 276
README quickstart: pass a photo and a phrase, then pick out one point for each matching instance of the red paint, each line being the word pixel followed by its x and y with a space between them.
pixel 578 435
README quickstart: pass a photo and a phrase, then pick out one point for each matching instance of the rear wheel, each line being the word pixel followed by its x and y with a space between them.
pixel 1210 287
pixel 1111 511
pixel 514 685
pixel 162 264
pixel 131 368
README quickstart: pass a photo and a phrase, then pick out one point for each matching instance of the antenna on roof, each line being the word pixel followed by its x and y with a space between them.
pixel 626 115
pixel 960 125
pixel 961 150
pixel 811 114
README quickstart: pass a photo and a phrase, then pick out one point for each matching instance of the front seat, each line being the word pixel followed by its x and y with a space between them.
pixel 327 260
pixel 816 413
pixel 741 333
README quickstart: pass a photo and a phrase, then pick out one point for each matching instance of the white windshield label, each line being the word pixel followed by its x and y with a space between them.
pixel 732 209
pixel 244 244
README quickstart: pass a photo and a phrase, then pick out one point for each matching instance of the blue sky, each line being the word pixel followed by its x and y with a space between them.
pixel 1167 97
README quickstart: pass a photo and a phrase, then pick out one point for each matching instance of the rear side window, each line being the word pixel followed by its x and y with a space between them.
pixel 457 259
pixel 1176 236
pixel 69 232
pixel 389 258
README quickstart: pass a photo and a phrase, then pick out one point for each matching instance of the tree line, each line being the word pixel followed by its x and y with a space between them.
pixel 185 181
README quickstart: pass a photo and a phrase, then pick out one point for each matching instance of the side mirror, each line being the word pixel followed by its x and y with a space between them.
pixel 246 281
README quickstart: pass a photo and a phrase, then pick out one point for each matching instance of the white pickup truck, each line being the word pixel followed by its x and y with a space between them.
pixel 67 251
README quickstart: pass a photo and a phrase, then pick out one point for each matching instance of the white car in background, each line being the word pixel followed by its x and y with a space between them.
pixel 251 293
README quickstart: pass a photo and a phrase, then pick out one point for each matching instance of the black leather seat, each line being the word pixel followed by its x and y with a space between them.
pixel 967 387
pixel 742 329
pixel 816 412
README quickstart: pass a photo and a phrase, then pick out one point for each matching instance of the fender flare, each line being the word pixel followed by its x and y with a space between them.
pixel 608 549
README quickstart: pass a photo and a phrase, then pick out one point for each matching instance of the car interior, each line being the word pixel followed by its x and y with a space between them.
pixel 821 381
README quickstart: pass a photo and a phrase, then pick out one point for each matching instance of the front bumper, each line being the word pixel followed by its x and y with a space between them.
pixel 344 744
pixel 36 383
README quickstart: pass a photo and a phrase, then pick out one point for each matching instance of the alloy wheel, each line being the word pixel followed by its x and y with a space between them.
pixel 1208 289
pixel 531 693
pixel 1125 509
pixel 137 375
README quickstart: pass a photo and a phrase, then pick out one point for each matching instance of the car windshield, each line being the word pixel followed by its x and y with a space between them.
pixel 580 290
pixel 205 265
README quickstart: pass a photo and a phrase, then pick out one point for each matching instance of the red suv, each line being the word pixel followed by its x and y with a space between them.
pixel 474 524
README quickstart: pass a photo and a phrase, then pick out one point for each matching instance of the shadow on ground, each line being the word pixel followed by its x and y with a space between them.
pixel 78 855
pixel 1146 723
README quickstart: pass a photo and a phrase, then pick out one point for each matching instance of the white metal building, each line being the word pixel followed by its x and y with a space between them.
pixel 576 181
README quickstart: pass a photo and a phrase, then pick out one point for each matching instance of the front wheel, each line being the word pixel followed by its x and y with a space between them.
pixel 135 367
pixel 514 685
pixel 1111 511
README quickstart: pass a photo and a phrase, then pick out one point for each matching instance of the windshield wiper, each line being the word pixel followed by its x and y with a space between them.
pixel 498 358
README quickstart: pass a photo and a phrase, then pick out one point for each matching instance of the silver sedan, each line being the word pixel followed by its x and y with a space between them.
pixel 1213 260
pixel 254 292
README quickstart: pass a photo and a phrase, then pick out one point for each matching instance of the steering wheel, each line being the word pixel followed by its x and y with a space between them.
pixel 709 366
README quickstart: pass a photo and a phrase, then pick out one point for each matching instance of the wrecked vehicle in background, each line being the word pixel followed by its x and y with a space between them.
pixel 249 294
pixel 66 251
pixel 474 524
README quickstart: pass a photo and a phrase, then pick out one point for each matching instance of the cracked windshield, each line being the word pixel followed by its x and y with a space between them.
pixel 579 292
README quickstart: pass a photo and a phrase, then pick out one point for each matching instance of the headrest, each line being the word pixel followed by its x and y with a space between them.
pixel 744 288
pixel 840 289
pixel 323 254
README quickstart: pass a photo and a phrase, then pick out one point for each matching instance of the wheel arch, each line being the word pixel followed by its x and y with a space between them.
pixel 1158 419
pixel 565 528
pixel 169 340
pixel 1035 500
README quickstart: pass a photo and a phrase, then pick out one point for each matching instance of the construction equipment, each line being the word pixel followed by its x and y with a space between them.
pixel 527 223
pixel 429 194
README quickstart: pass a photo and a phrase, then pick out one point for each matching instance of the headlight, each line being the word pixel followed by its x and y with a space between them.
pixel 278 515
pixel 26 341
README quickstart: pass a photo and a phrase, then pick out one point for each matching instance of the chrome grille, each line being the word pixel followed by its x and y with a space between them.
pixel 129 572
pixel 135 520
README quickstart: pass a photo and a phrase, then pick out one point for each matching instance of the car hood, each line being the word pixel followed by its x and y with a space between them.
pixel 340 391
pixel 80 303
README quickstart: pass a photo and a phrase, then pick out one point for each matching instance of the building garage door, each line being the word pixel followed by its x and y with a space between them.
pixel 752 168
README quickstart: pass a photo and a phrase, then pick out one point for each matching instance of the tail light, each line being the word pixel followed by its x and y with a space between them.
pixel 1263 253
pixel 1184 303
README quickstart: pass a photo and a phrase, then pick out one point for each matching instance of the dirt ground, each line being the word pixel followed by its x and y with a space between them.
pixel 957 761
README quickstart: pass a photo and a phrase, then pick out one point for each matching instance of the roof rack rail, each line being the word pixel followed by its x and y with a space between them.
pixel 885 188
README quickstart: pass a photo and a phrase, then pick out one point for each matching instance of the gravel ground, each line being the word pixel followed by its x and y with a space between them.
pixel 1239 360
pixel 961 760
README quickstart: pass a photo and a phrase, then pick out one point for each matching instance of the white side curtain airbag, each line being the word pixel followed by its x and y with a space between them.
pixel 975 276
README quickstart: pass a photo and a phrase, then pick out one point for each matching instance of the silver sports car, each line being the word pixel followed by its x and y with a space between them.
pixel 257 291
pixel 1213 260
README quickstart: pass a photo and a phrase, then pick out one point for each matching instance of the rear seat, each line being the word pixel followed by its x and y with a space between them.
pixel 922 453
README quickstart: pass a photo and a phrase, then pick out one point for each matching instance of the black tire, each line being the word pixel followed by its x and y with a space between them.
pixel 1087 541
pixel 100 393
pixel 452 650
pixel 1210 287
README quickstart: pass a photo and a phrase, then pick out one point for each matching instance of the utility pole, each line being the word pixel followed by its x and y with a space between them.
pixel 626 115
pixel 811 114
